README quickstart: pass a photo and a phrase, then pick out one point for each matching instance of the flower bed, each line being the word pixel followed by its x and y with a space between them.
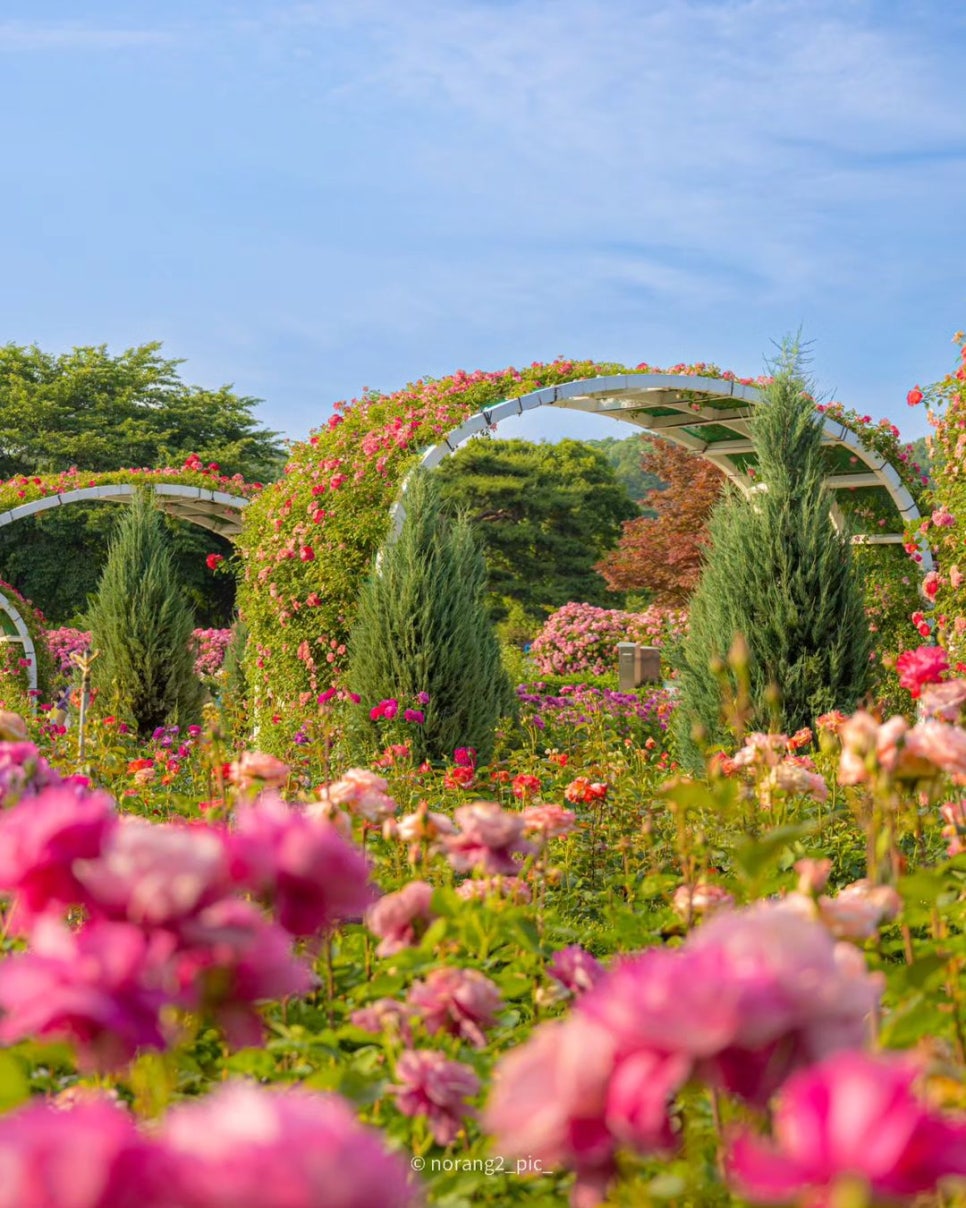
pixel 251 980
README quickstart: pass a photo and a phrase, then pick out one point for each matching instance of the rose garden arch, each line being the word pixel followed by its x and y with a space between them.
pixel 710 417
pixel 217 511
pixel 310 538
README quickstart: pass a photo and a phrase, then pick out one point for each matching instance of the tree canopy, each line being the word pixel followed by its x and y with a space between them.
pixel 99 411
pixel 628 457
pixel 545 515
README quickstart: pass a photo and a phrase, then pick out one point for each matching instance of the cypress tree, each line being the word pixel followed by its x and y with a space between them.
pixel 142 626
pixel 779 574
pixel 423 626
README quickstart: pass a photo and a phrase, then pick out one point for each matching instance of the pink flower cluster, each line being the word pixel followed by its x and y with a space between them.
pixel 458 1002
pixel 895 750
pixel 64 642
pixel 488 841
pixel 752 996
pixel 168 918
pixel 210 647
pixel 240 1145
pixel 581 638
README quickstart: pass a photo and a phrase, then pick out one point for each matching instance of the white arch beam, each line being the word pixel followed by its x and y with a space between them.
pixel 687 403
pixel 216 511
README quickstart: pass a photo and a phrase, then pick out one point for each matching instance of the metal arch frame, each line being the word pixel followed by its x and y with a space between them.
pixel 216 511
pixel 627 397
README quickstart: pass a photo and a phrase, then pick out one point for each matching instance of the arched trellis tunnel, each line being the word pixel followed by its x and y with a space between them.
pixel 711 418
pixel 217 511
pixel 708 415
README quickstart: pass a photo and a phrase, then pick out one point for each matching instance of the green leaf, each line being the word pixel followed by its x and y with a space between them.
pixel 753 856
pixel 14 1087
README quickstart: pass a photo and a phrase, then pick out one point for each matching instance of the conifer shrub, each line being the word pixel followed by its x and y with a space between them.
pixel 423 636
pixel 779 574
pixel 141 626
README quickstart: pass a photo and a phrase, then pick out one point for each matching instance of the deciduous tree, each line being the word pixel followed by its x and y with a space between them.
pixel 661 554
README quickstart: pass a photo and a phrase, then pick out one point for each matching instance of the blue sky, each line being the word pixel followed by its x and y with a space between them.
pixel 308 198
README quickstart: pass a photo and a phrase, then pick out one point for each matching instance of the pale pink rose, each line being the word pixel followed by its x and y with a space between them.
pixel 462 1002
pixel 954 815
pixel 362 793
pixel 328 811
pixel 430 1085
pixel 943 701
pixel 478 889
pixel 812 875
pixel 256 768
pixel 690 901
pixel 792 778
pixel 858 737
pixel 385 1015
pixel 99 988
pixel 13 728
pixel 549 1103
pixel 939 744
pixel 154 873
pixel 86 1156
pixel 548 821
pixel 761 750
pixel 424 826
pixel 42 837
pixel 858 910
pixel 306 870
pixel 853 1116
pixel 400 918
pixel 244 1146
pixel 488 840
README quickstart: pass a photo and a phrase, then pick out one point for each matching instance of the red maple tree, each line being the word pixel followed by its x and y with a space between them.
pixel 662 554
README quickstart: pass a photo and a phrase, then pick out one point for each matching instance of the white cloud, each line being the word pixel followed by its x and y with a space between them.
pixel 745 125
pixel 72 35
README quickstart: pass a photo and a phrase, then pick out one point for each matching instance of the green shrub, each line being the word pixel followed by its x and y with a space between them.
pixel 142 627
pixel 423 630
pixel 780 575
